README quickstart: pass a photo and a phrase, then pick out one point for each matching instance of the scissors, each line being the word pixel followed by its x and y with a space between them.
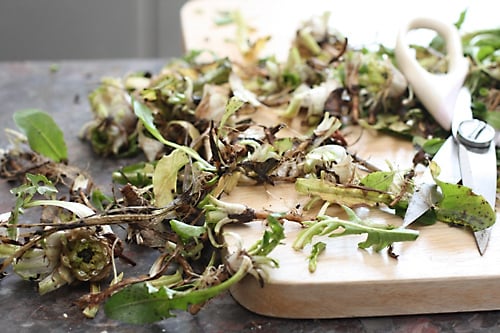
pixel 469 153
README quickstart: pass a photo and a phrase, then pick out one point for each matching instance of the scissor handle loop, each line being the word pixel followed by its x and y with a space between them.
pixel 438 92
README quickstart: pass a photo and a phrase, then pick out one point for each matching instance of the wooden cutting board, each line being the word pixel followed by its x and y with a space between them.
pixel 441 271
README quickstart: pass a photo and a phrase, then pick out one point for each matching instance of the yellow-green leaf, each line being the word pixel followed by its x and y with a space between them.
pixel 342 194
pixel 379 180
pixel 232 106
pixel 165 176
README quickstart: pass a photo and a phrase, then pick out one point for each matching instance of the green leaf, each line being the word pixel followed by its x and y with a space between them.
pixel 186 231
pixel 232 106
pixel 44 136
pixel 139 304
pixel 484 52
pixel 461 19
pixel 378 180
pixel 165 177
pixel 145 115
pixel 24 193
pixel 100 199
pixel 142 303
pixel 316 250
pixel 432 146
pixel 379 236
pixel 217 74
pixel 460 205
pixel 138 174
pixel 493 118
pixel 271 238
pixel 35 184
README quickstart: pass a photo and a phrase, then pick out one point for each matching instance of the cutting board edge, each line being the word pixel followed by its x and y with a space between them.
pixel 367 299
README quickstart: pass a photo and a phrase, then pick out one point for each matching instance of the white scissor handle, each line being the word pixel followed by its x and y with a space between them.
pixel 438 92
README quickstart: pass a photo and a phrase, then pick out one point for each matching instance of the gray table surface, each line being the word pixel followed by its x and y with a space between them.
pixel 63 93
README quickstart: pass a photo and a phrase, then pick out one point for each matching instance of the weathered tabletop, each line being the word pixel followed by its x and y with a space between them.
pixel 63 93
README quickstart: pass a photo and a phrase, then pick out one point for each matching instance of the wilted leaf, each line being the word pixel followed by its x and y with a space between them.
pixel 165 176
pixel 342 194
pixel 232 106
pixel 145 115
pixel 77 208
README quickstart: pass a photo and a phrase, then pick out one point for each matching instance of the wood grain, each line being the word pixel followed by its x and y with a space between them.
pixel 441 271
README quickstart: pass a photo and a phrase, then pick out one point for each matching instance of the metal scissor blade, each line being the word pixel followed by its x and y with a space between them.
pixel 426 193
pixel 482 238
pixel 479 172
pixel 482 181
pixel 421 201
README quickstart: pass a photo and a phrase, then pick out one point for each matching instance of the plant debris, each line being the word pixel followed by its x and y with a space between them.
pixel 194 123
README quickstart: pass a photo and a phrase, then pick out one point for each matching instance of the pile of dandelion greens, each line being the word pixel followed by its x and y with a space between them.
pixel 193 124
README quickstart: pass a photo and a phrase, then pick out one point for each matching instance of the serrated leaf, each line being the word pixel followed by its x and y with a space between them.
pixel 25 192
pixel 35 184
pixel 44 136
pixel 271 238
pixel 378 236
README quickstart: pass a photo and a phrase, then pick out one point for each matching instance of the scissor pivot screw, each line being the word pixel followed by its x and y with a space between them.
pixel 475 133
